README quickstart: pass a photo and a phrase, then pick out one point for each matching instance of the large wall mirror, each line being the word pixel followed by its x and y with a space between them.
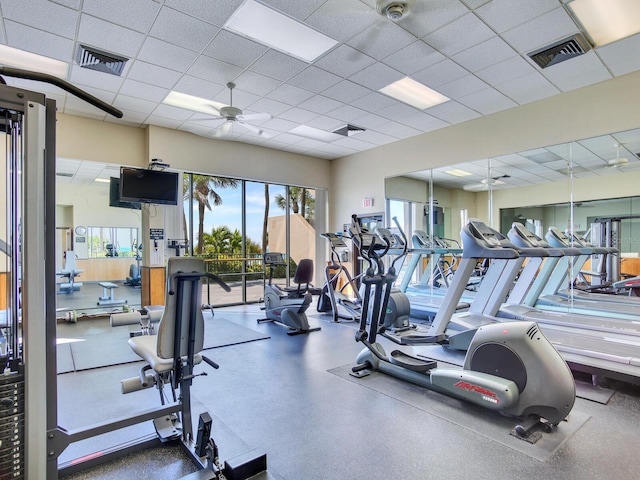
pixel 577 186
pixel 98 243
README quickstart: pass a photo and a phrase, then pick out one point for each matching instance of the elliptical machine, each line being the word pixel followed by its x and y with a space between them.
pixel 287 306
pixel 510 368
pixel 340 294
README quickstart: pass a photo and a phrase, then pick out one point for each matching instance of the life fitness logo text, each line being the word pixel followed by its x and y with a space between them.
pixel 487 395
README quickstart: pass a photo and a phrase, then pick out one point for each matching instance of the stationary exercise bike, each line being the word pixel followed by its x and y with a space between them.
pixel 510 368
pixel 287 306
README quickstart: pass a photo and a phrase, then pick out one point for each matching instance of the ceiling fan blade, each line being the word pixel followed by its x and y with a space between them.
pixel 253 129
pixel 223 129
pixel 255 117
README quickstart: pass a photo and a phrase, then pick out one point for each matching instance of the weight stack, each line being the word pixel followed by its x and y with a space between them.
pixel 12 444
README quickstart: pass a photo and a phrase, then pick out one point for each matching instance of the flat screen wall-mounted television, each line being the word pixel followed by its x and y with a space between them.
pixel 114 196
pixel 149 186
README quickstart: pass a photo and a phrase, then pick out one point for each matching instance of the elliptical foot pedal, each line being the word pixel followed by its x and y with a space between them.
pixel 527 430
pixel 411 363
pixel 300 332
pixel 168 427
pixel 362 370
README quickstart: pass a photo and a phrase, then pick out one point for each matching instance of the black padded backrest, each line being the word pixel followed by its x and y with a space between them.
pixel 304 273
pixel 166 329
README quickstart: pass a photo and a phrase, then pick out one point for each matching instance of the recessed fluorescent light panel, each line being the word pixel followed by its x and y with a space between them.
pixel 413 93
pixel 456 172
pixel 315 134
pixel 606 22
pixel 273 29
pixel 189 102
pixel 13 57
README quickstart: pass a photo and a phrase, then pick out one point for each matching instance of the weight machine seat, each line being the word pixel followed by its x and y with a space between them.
pixel 157 350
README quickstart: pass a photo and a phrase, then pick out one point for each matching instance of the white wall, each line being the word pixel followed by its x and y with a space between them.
pixel 599 109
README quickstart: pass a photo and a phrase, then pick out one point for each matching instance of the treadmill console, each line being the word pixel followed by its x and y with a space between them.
pixel 529 237
pixel 559 236
pixel 482 232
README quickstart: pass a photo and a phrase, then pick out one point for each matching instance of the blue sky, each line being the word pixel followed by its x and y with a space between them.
pixel 230 212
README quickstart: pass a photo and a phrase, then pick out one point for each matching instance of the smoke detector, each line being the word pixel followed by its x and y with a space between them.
pixel 393 9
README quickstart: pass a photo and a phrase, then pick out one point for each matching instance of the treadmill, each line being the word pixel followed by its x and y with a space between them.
pixel 550 297
pixel 529 243
pixel 425 300
pixel 615 355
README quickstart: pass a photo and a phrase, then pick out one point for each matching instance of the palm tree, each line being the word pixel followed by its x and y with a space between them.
pixel 300 201
pixel 203 191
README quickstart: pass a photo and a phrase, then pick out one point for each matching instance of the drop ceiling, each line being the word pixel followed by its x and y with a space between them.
pixel 473 51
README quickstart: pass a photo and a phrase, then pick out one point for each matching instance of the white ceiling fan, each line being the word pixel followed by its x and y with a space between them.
pixel 485 184
pixel 234 116
pixel 618 161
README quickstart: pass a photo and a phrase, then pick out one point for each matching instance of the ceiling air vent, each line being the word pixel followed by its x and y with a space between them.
pixel 565 49
pixel 348 130
pixel 94 59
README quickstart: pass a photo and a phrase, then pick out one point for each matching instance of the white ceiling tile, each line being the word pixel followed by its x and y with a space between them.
pixel 103 81
pixel 162 121
pixel 234 49
pixel 473 4
pixel 182 30
pixel 541 31
pixel 577 72
pixel 109 36
pixel 397 111
pixel 320 104
pixel 314 79
pixel 373 121
pixel 299 9
pixel 616 56
pixel 214 70
pixel 38 41
pixel 528 88
pixel 344 61
pixel 199 87
pixel 132 118
pixel 376 76
pixel 43 15
pixel 443 72
pixel 398 130
pixel 506 70
pixel 487 101
pixel 135 104
pixel 273 107
pixel 166 55
pixel 174 113
pixel 459 35
pixel 256 83
pixel 241 98
pixel 75 106
pixel 211 11
pixel 484 54
pixel 346 91
pixel 413 58
pixel 143 90
pixel 347 113
pixel 453 112
pixel 279 125
pixel 502 15
pixel 153 74
pixel 138 15
pixel 290 94
pixel 462 86
pixel 298 115
pixel 376 138
pixel 374 102
pixel 342 19
pixel 382 39
pixel 325 123
pixel 423 122
pixel 278 65
pixel 429 16
pixel 354 143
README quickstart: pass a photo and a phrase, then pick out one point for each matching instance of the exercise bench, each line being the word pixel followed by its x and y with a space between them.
pixel 109 295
